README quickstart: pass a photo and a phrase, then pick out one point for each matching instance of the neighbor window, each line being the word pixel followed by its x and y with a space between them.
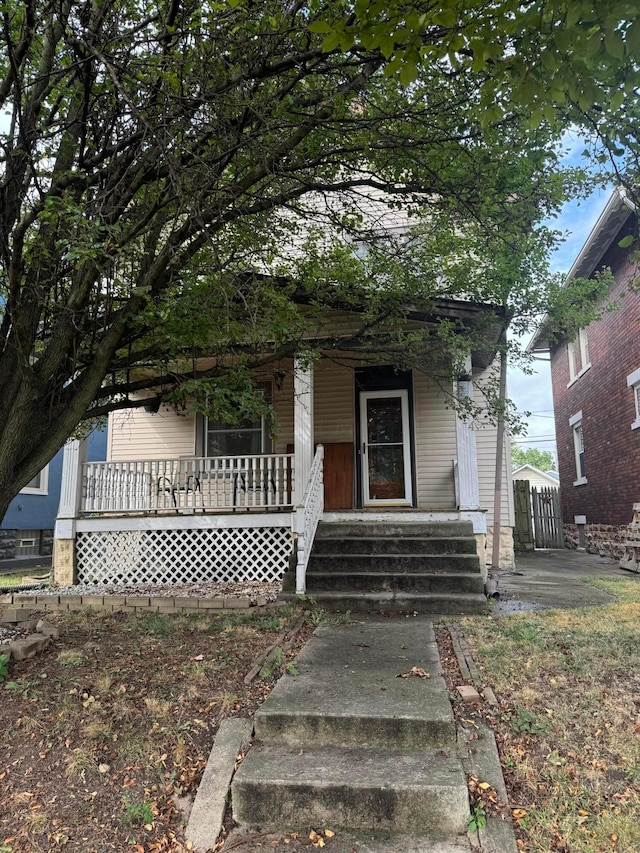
pixel 633 382
pixel 580 346
pixel 575 422
pixel 39 485
pixel 571 353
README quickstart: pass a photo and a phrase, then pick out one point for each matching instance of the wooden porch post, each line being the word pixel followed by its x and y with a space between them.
pixel 302 426
pixel 64 557
pixel 468 488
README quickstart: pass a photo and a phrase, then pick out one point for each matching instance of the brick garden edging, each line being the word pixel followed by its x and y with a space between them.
pixel 133 603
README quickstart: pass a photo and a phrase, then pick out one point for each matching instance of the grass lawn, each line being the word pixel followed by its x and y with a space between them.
pixel 104 733
pixel 568 722
pixel 17 578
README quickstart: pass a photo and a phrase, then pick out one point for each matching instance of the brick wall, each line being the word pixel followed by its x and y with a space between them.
pixel 611 447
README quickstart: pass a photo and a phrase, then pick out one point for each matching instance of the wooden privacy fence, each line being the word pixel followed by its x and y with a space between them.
pixel 538 513
pixel 547 517
pixel 523 532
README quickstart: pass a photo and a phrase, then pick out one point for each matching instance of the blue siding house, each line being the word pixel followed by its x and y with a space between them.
pixel 27 528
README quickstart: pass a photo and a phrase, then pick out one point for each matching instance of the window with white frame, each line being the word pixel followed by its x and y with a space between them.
pixel 580 346
pixel 633 382
pixel 249 438
pixel 575 422
pixel 571 353
pixel 39 485
pixel 583 341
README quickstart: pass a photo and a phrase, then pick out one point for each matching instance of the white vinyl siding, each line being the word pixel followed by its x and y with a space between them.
pixel 435 445
pixel 333 405
pixel 138 434
pixel 486 437
pixel 537 479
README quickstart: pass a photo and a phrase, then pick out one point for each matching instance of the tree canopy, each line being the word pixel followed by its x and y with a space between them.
pixel 178 179
pixel 541 459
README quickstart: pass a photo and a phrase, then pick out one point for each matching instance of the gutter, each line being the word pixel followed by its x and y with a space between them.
pixel 591 252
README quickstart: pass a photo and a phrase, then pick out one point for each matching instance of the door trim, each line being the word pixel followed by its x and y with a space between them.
pixel 403 395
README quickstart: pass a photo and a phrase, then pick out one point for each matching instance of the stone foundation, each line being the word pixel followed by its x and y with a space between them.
pixel 8 544
pixel 606 540
pixel 63 571
pixel 507 558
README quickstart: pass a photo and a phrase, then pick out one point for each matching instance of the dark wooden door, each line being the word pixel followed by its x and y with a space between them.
pixel 338 475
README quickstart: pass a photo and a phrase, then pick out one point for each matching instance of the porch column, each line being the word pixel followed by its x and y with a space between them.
pixel 468 485
pixel 302 426
pixel 64 557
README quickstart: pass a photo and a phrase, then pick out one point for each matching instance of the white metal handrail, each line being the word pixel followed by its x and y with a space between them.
pixel 306 517
pixel 262 482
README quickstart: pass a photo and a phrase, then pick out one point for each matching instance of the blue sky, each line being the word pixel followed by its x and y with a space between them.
pixel 533 393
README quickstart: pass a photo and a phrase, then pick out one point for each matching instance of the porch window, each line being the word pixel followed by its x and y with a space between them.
pixel 249 438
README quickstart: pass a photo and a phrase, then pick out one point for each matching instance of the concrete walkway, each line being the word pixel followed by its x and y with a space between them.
pixel 555 579
pixel 350 745
pixel 364 741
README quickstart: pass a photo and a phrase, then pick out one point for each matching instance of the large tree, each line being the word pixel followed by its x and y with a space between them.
pixel 178 179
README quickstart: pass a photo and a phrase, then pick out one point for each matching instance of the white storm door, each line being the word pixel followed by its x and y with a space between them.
pixel 386 453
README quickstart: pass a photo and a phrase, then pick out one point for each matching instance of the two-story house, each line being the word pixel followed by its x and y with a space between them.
pixel 596 388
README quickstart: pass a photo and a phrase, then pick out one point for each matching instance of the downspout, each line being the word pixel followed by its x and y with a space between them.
pixel 492 580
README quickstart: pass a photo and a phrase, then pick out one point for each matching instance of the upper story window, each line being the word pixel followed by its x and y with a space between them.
pixel 39 485
pixel 633 382
pixel 575 422
pixel 578 355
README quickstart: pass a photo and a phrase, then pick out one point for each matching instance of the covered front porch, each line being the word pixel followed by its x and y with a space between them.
pixel 371 444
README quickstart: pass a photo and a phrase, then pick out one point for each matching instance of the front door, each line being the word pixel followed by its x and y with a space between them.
pixel 386 456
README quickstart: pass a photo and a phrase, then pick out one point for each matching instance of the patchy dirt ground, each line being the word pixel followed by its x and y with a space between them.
pixel 104 735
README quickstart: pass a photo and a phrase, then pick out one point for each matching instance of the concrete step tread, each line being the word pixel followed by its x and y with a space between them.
pixel 348 573
pixel 364 767
pixel 387 581
pixel 349 841
pixel 421 602
pixel 392 555
pixel 389 596
pixel 394 528
pixel 408 791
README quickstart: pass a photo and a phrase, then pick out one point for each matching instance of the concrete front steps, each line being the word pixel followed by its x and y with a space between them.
pixel 351 745
pixel 426 567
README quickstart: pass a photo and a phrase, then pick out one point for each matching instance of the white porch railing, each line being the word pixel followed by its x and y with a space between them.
pixel 206 483
pixel 306 517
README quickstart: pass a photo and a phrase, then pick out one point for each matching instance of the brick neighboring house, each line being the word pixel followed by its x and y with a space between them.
pixel 596 391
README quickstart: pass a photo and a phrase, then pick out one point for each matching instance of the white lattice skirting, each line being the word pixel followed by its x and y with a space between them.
pixel 183 556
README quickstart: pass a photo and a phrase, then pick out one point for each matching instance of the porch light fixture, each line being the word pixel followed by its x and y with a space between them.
pixel 278 379
pixel 153 406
